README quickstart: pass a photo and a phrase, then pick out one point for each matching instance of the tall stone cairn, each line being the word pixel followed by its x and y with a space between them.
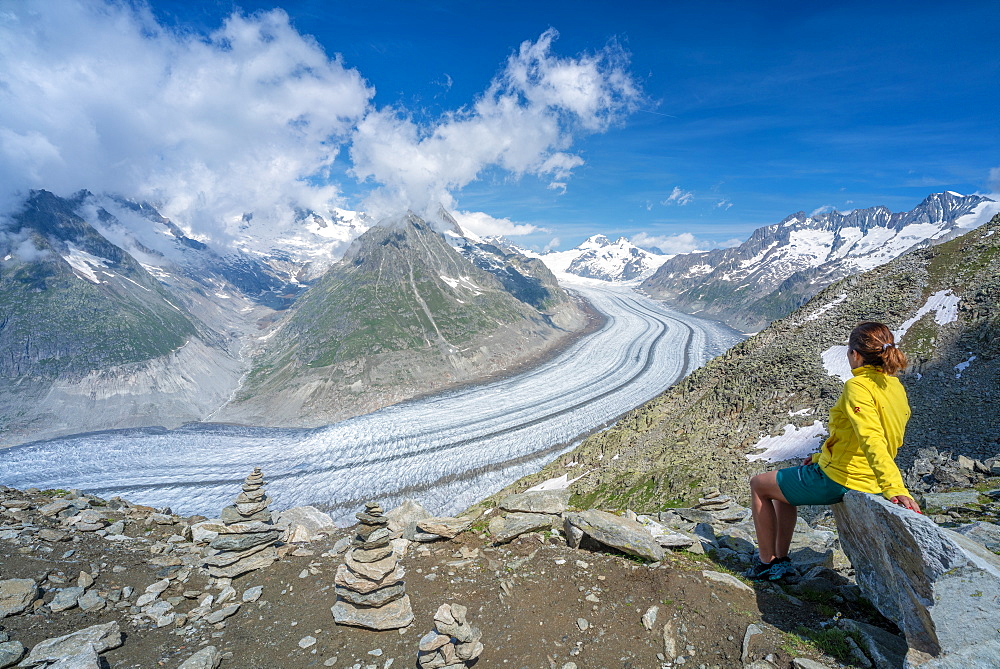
pixel 369 585
pixel 248 542
pixel 452 642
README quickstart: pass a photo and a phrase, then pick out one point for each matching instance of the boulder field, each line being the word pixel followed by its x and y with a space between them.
pixel 528 581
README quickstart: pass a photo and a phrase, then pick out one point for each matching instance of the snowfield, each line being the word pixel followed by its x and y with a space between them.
pixel 447 451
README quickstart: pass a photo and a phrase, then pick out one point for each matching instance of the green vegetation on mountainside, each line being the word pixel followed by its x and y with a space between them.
pixel 700 431
pixel 54 322
pixel 399 288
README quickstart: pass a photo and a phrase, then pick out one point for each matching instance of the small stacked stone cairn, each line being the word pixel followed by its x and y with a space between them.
pixel 452 642
pixel 369 585
pixel 248 542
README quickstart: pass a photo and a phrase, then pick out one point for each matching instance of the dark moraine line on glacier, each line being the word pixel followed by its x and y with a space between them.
pixel 447 451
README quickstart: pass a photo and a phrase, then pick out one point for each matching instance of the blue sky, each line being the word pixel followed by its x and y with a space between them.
pixel 749 111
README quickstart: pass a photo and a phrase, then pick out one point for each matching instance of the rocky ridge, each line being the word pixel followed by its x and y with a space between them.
pixel 777 384
pixel 781 266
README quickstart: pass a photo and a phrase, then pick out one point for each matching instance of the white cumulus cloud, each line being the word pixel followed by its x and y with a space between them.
pixel 684 242
pixel 993 180
pixel 485 225
pixel 523 123
pixel 98 95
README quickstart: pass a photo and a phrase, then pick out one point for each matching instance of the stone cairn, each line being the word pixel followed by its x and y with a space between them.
pixel 369 585
pixel 248 541
pixel 452 642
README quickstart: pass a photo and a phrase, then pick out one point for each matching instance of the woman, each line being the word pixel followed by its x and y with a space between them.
pixel 866 429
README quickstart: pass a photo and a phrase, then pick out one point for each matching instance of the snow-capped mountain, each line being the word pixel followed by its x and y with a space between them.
pixel 600 258
pixel 783 265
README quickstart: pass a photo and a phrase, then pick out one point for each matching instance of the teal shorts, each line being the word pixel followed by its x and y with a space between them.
pixel 807 484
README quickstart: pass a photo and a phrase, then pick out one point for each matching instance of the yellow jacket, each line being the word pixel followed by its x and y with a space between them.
pixel 866 429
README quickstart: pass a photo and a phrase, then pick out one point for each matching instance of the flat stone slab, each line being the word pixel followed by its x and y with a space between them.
pixel 449 528
pixel 99 637
pixel 939 587
pixel 948 500
pixel 516 524
pixel 358 583
pixel 242 542
pixel 537 501
pixel 16 595
pixel 379 597
pixel 374 571
pixel 726 579
pixel 264 558
pixel 626 535
pixel 394 615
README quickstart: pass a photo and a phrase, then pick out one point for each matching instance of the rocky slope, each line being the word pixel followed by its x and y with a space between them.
pixel 90 339
pixel 402 314
pixel 778 386
pixel 539 594
pixel 781 266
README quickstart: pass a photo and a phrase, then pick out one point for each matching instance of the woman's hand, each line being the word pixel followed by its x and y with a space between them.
pixel 906 502
pixel 807 461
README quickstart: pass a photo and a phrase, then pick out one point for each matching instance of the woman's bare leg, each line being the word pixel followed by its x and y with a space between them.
pixel 787 515
pixel 773 517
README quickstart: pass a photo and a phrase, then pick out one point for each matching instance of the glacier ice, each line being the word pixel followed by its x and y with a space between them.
pixel 446 451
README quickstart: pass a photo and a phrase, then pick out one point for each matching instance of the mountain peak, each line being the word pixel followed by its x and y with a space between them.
pixel 595 241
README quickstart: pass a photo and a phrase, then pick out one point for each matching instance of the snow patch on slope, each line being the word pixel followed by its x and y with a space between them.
pixel 945 305
pixel 794 442
pixel 85 263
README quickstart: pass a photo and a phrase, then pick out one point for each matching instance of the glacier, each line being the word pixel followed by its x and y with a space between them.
pixel 447 451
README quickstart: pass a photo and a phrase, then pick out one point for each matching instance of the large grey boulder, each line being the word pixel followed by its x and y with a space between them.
pixel 516 524
pixel 626 535
pixel 16 595
pixel 406 515
pixel 940 588
pixel 537 501
pixel 84 644
pixel 305 524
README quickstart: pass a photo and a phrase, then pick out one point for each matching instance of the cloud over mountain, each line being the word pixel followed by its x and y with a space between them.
pixel 251 117
pixel 101 96
pixel 523 123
